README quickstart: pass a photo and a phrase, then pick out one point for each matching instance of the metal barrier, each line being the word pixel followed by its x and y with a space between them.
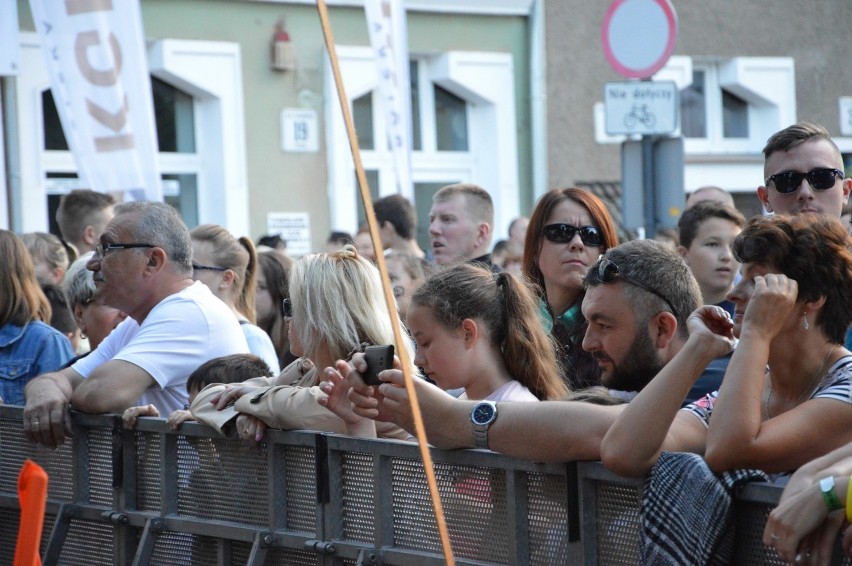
pixel 152 496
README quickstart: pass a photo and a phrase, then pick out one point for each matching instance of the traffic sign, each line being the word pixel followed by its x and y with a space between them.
pixel 639 36
pixel 641 107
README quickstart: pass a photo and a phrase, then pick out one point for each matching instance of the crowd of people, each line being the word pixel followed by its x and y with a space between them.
pixel 730 343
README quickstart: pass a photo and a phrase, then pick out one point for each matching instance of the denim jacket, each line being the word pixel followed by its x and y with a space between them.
pixel 28 351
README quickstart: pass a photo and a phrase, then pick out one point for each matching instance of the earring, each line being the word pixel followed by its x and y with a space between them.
pixel 805 324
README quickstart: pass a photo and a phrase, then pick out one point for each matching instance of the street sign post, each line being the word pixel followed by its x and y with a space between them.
pixel 638 39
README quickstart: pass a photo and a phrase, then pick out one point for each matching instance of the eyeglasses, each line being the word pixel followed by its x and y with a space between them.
pixel 821 179
pixel 197 267
pixel 103 249
pixel 287 308
pixel 607 272
pixel 564 233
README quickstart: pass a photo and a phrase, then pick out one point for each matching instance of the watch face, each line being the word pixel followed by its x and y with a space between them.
pixel 483 413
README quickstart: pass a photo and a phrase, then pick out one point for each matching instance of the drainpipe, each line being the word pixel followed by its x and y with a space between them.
pixel 11 157
pixel 538 99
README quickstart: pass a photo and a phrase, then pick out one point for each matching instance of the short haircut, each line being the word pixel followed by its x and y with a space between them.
pixel 812 250
pixel 238 255
pixel 271 241
pixel 693 217
pixel 227 369
pixel 796 135
pixel 81 208
pixel 723 196
pixel 340 237
pixel 399 211
pixel 478 203
pixel 47 248
pixel 61 319
pixel 543 208
pixel 78 285
pixel 659 267
pixel 160 224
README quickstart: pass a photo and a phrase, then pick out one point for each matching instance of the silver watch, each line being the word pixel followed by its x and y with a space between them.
pixel 482 416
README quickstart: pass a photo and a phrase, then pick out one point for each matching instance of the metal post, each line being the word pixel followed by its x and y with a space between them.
pixel 648 188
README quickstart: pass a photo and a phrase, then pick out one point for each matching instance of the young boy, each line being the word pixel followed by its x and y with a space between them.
pixel 707 232
pixel 226 369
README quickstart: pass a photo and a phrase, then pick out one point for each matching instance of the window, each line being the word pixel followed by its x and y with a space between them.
pixel 710 111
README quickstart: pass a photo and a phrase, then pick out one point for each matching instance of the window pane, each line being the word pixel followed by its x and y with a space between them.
pixel 372 180
pixel 734 116
pixel 362 115
pixel 174 115
pixel 181 191
pixel 54 137
pixel 450 121
pixel 416 141
pixel 693 108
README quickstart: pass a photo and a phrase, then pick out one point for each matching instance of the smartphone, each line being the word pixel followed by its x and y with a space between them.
pixel 378 358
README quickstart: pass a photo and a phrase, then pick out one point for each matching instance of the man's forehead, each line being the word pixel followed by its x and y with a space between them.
pixel 817 152
pixel 453 205
pixel 606 300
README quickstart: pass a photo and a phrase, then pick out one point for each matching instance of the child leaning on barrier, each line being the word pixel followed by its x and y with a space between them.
pixel 226 369
pixel 474 329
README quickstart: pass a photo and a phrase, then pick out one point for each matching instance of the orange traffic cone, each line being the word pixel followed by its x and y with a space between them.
pixel 32 493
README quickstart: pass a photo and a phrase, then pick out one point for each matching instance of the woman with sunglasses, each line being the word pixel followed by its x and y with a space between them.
pixel 568 229
pixel 787 394
pixel 228 266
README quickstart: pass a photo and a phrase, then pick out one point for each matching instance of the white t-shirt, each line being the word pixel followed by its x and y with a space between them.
pixel 509 391
pixel 260 344
pixel 182 332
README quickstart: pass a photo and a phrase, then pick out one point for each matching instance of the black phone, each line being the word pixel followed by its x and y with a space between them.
pixel 378 358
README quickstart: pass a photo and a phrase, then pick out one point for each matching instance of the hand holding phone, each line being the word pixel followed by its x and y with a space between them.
pixel 378 358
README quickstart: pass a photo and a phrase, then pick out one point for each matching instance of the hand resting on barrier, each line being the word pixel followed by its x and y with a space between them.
pixel 47 415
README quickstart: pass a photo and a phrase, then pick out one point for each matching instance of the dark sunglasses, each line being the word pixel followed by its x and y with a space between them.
pixel 607 272
pixel 198 267
pixel 564 233
pixel 821 179
pixel 287 308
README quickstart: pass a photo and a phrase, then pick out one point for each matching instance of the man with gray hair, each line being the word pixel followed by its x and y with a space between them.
pixel 460 224
pixel 143 267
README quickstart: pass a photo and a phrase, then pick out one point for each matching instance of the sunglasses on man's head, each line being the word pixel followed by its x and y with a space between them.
pixel 564 233
pixel 821 179
pixel 607 271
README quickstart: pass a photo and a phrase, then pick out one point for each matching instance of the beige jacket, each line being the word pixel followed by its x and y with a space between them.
pixel 287 402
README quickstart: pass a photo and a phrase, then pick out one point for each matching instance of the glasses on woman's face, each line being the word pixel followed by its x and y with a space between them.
pixel 607 271
pixel 563 233
pixel 287 308
pixel 821 179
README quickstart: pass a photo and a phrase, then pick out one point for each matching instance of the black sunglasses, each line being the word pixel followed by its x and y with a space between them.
pixel 198 267
pixel 607 272
pixel 564 233
pixel 821 179
pixel 287 308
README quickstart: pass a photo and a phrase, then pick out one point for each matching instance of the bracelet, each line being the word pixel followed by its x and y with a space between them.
pixel 849 500
pixel 826 487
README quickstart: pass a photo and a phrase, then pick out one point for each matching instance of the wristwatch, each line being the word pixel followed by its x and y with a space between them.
pixel 482 416
pixel 826 486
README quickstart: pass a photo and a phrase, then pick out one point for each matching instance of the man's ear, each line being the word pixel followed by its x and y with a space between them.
pixel 663 329
pixel 157 258
pixel 763 196
pixel 89 236
pixel 483 233
pixel 847 187
pixel 470 332
pixel 684 253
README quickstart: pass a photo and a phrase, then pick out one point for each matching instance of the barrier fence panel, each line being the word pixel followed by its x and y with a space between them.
pixel 153 496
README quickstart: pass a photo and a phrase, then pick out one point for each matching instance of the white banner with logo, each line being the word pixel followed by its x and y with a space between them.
pixel 95 52
pixel 8 37
pixel 389 39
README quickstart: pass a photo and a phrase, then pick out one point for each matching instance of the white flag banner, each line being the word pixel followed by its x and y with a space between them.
pixel 8 37
pixel 95 53
pixel 389 39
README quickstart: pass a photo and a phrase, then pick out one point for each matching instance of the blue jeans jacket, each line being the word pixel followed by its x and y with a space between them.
pixel 28 351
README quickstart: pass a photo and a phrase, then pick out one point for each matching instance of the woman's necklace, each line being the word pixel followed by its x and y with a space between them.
pixel 817 376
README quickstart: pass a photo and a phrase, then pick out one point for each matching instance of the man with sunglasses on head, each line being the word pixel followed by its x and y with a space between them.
pixel 143 267
pixel 639 295
pixel 803 172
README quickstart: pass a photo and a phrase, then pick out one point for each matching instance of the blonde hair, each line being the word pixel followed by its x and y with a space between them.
pixel 338 302
pixel 238 255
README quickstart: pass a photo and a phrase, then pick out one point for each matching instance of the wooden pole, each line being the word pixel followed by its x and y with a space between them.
pixel 389 300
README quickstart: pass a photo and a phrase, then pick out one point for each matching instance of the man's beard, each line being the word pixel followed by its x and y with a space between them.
pixel 638 367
